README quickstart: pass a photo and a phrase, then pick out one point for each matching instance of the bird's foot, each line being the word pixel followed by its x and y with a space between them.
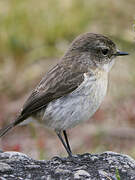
pixel 60 159
pixel 76 159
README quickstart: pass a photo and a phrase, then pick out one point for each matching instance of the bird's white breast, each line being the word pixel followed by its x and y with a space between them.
pixel 77 106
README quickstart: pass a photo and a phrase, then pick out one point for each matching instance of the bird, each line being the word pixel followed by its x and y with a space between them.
pixel 72 91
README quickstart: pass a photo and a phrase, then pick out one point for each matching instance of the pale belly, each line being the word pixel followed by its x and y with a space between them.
pixel 68 111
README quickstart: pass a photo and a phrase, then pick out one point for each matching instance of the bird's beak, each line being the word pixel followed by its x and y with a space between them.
pixel 120 53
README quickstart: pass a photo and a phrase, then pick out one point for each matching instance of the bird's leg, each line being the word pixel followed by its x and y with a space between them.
pixel 66 139
pixel 68 149
pixel 64 144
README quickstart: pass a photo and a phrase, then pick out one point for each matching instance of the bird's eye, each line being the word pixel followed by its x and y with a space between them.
pixel 105 51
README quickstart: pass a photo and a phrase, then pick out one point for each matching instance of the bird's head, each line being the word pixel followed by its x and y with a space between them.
pixel 94 50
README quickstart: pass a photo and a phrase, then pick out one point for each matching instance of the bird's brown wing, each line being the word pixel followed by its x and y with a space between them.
pixel 58 82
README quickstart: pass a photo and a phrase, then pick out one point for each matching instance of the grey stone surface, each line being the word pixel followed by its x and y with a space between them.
pixel 18 166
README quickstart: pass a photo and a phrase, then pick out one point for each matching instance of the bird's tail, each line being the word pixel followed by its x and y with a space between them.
pixel 4 130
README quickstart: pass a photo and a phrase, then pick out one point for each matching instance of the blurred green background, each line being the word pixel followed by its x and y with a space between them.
pixel 33 36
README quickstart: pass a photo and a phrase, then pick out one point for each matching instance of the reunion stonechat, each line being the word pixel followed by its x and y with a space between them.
pixel 72 91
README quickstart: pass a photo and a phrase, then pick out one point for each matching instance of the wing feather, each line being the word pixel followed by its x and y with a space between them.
pixel 57 83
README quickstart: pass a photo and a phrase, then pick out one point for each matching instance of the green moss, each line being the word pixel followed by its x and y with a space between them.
pixel 117 174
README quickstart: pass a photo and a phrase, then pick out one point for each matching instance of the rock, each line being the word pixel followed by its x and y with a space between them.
pixel 105 166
